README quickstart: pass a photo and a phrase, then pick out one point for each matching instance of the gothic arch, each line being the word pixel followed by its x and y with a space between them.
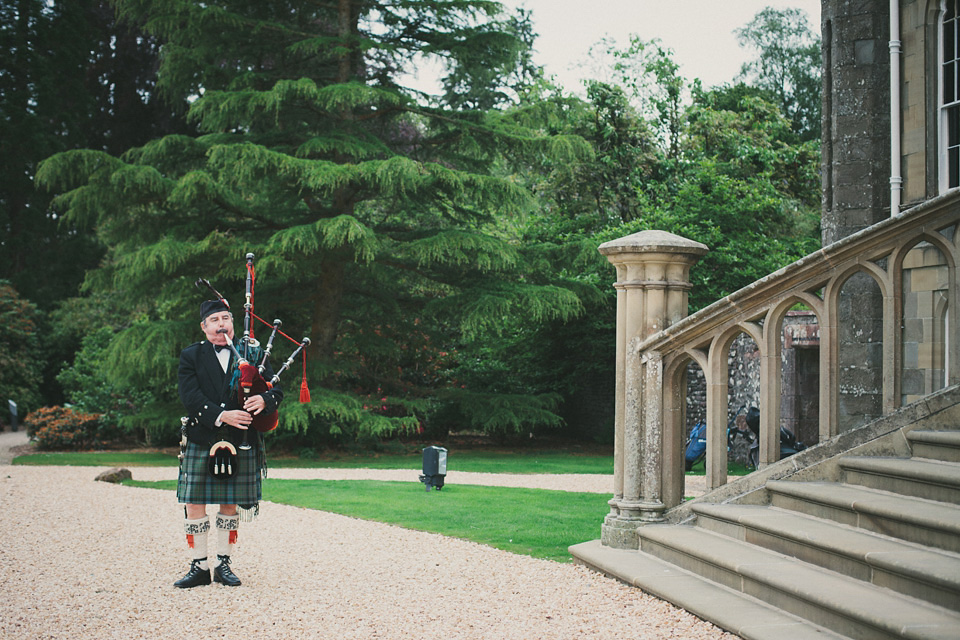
pixel 948 249
pixel 772 392
pixel 912 332
pixel 831 293
pixel 674 420
pixel 776 314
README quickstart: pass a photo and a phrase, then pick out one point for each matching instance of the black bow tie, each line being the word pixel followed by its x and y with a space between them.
pixel 220 347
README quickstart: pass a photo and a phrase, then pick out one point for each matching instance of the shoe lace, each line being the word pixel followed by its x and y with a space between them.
pixel 224 567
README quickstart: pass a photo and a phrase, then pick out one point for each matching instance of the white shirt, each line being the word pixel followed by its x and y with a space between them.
pixel 224 357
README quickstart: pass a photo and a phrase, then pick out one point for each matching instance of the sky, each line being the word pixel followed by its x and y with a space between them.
pixel 700 32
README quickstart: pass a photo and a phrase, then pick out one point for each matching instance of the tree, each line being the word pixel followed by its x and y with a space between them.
pixel 740 162
pixel 625 150
pixel 370 213
pixel 32 100
pixel 89 389
pixel 70 77
pixel 738 180
pixel 787 65
pixel 20 369
pixel 648 76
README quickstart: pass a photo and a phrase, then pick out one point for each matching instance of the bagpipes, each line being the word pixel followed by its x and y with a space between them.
pixel 251 377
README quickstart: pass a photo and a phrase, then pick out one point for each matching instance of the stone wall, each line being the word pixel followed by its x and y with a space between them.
pixel 743 383
pixel 919 96
pixel 856 116
pixel 926 280
pixel 860 352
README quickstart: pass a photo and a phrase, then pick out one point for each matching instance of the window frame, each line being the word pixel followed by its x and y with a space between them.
pixel 944 150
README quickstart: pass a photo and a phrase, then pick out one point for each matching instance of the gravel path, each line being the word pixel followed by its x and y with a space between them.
pixel 8 440
pixel 86 559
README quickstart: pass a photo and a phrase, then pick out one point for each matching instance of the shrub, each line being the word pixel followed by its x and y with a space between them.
pixel 89 388
pixel 63 428
pixel 21 371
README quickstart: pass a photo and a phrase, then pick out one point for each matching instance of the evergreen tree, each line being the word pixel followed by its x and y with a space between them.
pixel 70 77
pixel 370 208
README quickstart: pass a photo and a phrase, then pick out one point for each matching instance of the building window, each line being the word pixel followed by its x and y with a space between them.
pixel 950 97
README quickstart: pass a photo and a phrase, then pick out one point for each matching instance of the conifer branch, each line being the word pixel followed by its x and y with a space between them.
pixel 247 215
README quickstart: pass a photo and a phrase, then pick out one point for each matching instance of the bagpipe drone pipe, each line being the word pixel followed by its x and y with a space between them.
pixel 251 376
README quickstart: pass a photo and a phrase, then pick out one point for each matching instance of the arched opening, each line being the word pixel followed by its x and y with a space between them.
pixel 742 415
pixel 800 374
pixel 924 322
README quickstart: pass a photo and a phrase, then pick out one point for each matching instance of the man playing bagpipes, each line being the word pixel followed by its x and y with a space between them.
pixel 223 458
pixel 231 395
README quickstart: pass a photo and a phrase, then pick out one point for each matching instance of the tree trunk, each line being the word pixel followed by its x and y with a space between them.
pixel 326 309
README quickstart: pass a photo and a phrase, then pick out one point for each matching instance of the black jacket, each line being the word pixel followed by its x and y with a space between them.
pixel 205 391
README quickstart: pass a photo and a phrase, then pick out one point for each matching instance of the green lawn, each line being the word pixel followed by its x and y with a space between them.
pixel 483 461
pixel 532 522
pixel 522 461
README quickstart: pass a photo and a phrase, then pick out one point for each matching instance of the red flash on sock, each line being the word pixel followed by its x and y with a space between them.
pixel 233 536
pixel 190 540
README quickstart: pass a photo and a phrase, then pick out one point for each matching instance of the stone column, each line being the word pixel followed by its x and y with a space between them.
pixel 653 269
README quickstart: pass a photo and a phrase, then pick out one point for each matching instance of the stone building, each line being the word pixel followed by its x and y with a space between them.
pixel 890 142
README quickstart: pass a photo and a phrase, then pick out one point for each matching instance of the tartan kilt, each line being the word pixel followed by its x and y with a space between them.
pixel 197 486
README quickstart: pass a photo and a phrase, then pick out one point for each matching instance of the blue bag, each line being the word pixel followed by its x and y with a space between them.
pixel 696 445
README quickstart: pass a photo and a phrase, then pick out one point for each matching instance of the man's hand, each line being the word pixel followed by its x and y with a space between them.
pixel 254 404
pixel 236 418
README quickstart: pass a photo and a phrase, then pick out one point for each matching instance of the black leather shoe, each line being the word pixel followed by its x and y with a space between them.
pixel 195 577
pixel 223 574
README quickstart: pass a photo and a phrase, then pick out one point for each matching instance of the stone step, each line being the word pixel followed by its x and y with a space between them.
pixel 929 479
pixel 935 445
pixel 731 610
pixel 923 522
pixel 842 604
pixel 929 575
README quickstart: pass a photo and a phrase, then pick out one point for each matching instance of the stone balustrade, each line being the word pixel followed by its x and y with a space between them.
pixel 910 260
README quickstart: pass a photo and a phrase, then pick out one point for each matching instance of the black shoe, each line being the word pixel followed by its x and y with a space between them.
pixel 223 574
pixel 195 577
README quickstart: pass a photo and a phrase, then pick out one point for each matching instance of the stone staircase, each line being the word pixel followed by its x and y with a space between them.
pixel 874 553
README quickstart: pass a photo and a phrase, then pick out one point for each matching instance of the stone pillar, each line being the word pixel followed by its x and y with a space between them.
pixel 653 273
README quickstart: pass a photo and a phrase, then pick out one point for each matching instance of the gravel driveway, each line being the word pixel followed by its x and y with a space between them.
pixel 86 559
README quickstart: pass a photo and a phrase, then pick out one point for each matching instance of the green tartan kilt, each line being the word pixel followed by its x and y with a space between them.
pixel 197 486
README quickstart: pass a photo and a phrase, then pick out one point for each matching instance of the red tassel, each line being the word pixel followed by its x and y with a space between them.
pixel 304 390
